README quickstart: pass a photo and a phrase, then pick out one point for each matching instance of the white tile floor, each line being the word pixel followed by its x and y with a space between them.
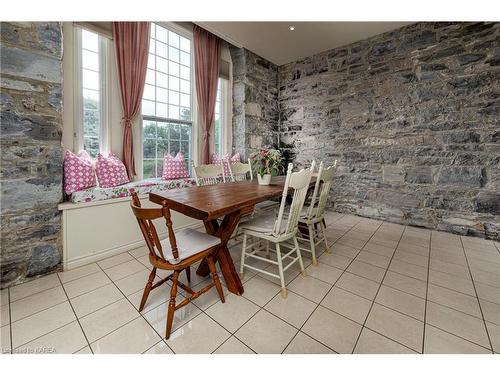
pixel 385 288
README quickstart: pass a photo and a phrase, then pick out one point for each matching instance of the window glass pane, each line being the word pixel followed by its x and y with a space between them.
pixel 161 49
pixel 91 145
pixel 185 45
pixel 149 168
pixel 173 97
pixel 185 59
pixel 149 129
pixel 185 114
pixel 161 33
pixel 185 72
pixel 90 41
pixel 162 95
pixel 90 79
pixel 173 68
pixel 149 92
pixel 173 54
pixel 153 30
pixel 173 39
pixel 185 149
pixel 91 123
pixel 185 100
pixel 162 147
pixel 185 86
pixel 151 61
pixel 175 132
pixel 149 148
pixel 148 108
pixel 173 112
pixel 152 46
pixel 161 110
pixel 91 99
pixel 161 79
pixel 185 132
pixel 90 60
pixel 175 147
pixel 162 131
pixel 150 76
pixel 162 64
pixel 173 83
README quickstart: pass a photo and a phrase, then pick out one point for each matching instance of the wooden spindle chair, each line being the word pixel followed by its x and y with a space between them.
pixel 176 254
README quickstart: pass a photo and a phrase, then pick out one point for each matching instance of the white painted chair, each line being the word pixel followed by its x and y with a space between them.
pixel 239 171
pixel 208 174
pixel 279 229
pixel 312 216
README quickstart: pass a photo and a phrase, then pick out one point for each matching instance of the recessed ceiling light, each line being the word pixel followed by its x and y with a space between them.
pixel 291 27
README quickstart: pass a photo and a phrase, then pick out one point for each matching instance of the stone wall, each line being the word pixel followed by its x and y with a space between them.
pixel 255 102
pixel 31 151
pixel 413 116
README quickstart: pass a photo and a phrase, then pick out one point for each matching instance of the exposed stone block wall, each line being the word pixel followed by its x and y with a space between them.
pixel 31 151
pixel 413 117
pixel 255 102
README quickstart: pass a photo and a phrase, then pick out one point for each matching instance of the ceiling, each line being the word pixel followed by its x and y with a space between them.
pixel 275 42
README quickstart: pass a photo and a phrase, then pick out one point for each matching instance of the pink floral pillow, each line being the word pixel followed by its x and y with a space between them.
pixel 79 172
pixel 226 160
pixel 110 171
pixel 174 168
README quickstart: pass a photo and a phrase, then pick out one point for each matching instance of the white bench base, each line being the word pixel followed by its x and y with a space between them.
pixel 96 230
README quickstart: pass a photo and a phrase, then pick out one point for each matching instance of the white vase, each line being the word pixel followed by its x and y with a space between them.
pixel 264 180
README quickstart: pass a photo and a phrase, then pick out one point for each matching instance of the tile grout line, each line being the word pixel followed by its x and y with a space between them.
pixel 76 317
pixel 10 323
pixel 344 271
pixel 140 316
pixel 427 291
pixel 378 289
pixel 477 297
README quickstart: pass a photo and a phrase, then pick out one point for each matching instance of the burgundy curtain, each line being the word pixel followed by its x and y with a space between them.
pixel 131 46
pixel 206 56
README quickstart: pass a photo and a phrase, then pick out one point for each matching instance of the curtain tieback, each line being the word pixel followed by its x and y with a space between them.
pixel 127 121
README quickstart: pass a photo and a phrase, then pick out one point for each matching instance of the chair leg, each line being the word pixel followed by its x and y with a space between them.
pixel 188 274
pixel 268 255
pixel 242 260
pixel 323 229
pixel 299 255
pixel 215 278
pixel 284 292
pixel 313 245
pixel 147 289
pixel 171 304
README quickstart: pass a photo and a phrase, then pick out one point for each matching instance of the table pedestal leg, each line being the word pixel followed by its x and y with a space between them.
pixel 224 232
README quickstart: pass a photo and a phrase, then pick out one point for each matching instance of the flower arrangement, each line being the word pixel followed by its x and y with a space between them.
pixel 267 162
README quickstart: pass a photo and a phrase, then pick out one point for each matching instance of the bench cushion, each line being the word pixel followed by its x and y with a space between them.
pixel 140 187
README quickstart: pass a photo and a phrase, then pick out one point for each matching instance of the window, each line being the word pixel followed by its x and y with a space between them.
pixel 91 58
pixel 167 100
pixel 218 120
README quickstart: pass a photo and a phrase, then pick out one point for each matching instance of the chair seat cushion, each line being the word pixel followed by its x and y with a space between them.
pixel 263 223
pixel 189 243
pixel 266 205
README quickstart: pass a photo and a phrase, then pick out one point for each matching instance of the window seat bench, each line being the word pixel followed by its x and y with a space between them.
pixel 98 222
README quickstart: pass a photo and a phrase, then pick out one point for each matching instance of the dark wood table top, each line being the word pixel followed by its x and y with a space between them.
pixel 214 201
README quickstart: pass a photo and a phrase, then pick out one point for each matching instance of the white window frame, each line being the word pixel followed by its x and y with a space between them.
pixel 194 146
pixel 104 99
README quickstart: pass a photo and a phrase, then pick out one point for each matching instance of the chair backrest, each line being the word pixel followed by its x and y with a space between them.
pixel 145 217
pixel 239 171
pixel 326 178
pixel 208 174
pixel 310 210
pixel 299 182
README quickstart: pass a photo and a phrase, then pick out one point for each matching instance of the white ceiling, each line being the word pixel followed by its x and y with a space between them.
pixel 276 43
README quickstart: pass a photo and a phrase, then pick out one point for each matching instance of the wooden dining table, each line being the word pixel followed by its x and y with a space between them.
pixel 229 202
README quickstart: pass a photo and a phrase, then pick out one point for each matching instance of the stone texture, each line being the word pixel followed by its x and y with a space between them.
pixel 31 151
pixel 255 102
pixel 412 116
